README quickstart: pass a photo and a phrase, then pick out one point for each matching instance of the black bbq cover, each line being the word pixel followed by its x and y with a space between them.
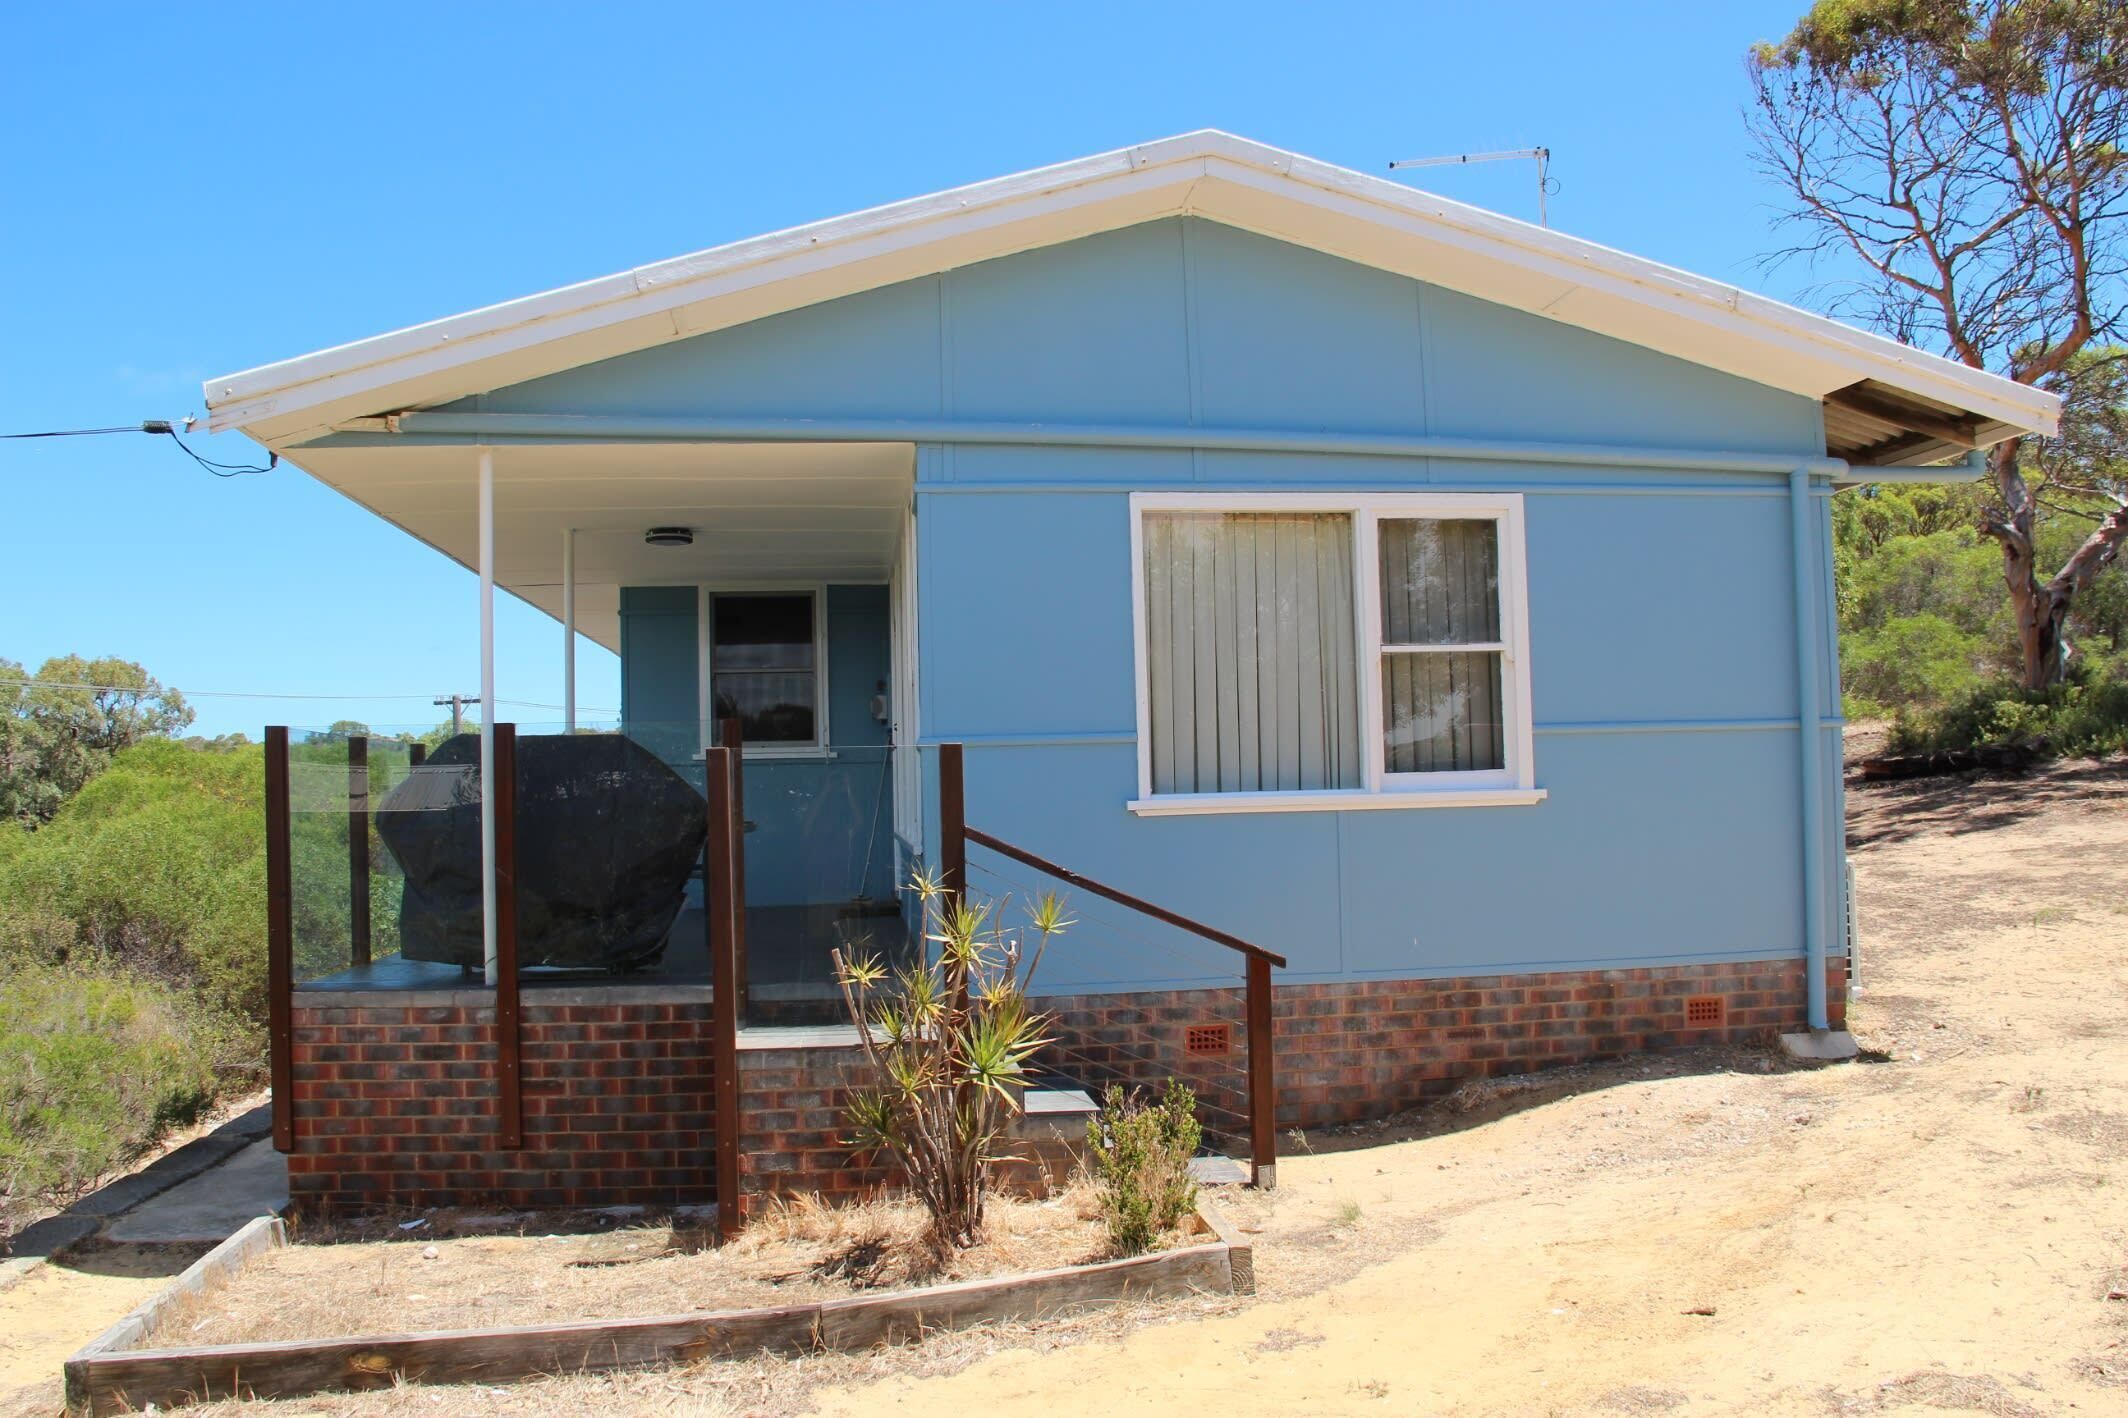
pixel 606 837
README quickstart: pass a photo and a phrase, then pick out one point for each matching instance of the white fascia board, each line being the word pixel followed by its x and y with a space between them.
pixel 1213 174
pixel 1718 311
pixel 433 348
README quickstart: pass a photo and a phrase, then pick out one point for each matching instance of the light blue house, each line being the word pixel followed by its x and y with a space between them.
pixel 1437 600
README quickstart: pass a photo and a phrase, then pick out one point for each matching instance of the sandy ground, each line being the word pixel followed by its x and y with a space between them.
pixel 1935 1228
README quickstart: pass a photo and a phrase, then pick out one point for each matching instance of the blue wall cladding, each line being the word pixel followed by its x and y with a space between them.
pixel 1182 321
pixel 1662 647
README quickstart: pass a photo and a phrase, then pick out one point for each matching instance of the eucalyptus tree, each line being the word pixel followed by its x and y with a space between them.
pixel 1964 156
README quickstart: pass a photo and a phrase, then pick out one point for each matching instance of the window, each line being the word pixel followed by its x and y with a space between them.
pixel 764 666
pixel 1304 651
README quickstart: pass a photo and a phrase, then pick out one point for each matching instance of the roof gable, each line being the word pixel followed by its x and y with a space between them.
pixel 1274 193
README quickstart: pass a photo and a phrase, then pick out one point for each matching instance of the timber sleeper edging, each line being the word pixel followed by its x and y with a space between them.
pixel 109 1377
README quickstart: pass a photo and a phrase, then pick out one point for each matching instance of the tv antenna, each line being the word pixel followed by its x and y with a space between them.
pixel 1543 156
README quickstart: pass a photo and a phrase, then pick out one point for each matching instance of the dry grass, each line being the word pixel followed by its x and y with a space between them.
pixel 800 1250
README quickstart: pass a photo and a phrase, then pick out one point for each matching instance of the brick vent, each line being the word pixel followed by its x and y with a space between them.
pixel 1201 1040
pixel 1705 1012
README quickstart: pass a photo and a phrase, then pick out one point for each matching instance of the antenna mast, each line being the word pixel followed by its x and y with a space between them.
pixel 1543 157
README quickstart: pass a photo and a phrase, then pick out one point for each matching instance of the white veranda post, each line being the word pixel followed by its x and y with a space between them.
pixel 487 710
pixel 569 630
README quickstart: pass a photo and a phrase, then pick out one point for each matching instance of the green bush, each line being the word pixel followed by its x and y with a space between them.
pixel 1140 1154
pixel 93 1067
pixel 2087 716
pixel 1914 660
pixel 157 866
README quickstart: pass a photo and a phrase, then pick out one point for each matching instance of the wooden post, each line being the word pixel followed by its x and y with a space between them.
pixel 733 732
pixel 358 952
pixel 417 753
pixel 1263 1090
pixel 509 1036
pixel 952 824
pixel 280 943
pixel 721 885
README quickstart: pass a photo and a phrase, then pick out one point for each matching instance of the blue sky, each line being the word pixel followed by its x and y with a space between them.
pixel 195 189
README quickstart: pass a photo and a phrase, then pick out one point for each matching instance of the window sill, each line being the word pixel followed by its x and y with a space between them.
pixel 1188 804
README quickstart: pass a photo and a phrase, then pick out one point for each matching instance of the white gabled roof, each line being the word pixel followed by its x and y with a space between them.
pixel 1210 174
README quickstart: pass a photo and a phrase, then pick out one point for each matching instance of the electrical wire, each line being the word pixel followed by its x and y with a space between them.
pixel 166 428
pixel 11 683
pixel 76 432
pixel 223 470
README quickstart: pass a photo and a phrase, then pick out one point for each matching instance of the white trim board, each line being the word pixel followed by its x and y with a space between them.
pixel 1211 174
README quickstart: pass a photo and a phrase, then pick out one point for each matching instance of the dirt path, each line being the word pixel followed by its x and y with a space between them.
pixel 62 1305
pixel 1936 1229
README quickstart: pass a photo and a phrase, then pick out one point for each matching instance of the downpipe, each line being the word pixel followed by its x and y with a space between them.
pixel 1810 727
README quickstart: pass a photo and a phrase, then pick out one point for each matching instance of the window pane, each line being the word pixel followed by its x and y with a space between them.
pixel 1440 581
pixel 762 666
pixel 1441 712
pixel 761 632
pixel 1251 676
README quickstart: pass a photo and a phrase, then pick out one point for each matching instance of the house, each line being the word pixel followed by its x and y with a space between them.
pixel 1438 603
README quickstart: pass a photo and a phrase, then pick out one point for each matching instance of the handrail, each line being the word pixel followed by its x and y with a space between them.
pixel 1124 898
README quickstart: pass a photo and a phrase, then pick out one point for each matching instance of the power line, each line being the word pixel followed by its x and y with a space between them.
pixel 256 694
pixel 162 427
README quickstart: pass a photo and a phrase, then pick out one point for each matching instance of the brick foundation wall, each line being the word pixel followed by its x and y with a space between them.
pixel 792 1106
pixel 395 1100
pixel 1356 1050
pixel 395 1103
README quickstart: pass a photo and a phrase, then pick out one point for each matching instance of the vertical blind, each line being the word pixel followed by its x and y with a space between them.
pixel 1440 592
pixel 1250 652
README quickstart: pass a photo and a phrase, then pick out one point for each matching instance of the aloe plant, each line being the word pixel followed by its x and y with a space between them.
pixel 947 1042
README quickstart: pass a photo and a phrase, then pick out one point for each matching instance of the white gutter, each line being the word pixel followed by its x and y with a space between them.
pixel 490 429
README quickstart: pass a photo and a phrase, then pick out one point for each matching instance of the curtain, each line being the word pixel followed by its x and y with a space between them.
pixel 1441 590
pixel 1250 652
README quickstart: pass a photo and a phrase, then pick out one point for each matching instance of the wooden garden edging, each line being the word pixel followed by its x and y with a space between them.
pixel 84 1393
pixel 108 1378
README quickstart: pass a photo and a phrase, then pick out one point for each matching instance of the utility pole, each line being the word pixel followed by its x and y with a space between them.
pixel 458 703
pixel 1542 155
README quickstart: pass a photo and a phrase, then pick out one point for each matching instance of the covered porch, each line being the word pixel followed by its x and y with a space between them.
pixel 759 595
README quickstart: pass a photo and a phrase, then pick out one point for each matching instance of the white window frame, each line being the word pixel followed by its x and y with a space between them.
pixel 705 605
pixel 1512 785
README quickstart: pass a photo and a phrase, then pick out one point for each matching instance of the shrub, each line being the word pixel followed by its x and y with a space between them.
pixel 1141 1155
pixel 157 866
pixel 1913 660
pixel 947 1041
pixel 93 1068
pixel 2088 715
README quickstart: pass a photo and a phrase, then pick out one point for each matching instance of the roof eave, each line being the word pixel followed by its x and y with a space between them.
pixel 1208 172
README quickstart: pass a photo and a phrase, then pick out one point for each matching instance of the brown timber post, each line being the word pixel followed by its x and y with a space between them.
pixel 358 850
pixel 1263 1089
pixel 280 944
pixel 509 1036
pixel 720 884
pixel 952 824
pixel 733 733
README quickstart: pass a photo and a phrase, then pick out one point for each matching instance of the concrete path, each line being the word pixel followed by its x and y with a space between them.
pixel 93 1213
pixel 212 1205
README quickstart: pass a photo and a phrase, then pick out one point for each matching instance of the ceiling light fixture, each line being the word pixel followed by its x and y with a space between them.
pixel 669 537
